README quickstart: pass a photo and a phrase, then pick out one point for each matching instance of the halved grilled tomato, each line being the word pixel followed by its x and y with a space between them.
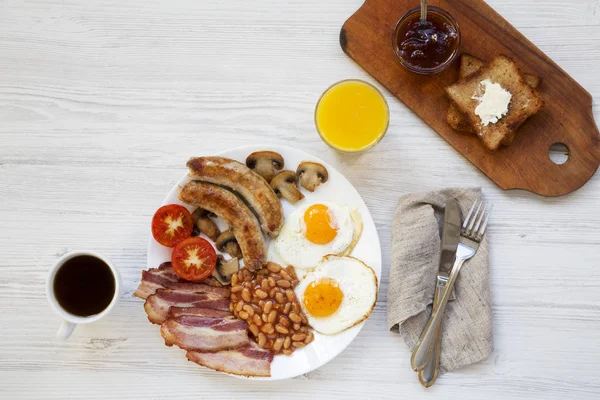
pixel 171 224
pixel 194 259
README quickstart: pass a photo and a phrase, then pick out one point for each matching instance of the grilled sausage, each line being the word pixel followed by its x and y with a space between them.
pixel 248 184
pixel 236 214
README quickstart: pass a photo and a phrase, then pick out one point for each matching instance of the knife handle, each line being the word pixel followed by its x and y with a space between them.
pixel 424 346
pixel 422 354
pixel 429 374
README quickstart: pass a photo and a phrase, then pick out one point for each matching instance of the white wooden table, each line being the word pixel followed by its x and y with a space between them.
pixel 101 104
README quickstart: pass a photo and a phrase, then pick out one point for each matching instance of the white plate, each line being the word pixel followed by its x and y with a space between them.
pixel 337 189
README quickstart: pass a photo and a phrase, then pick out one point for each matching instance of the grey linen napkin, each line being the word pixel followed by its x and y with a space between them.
pixel 467 334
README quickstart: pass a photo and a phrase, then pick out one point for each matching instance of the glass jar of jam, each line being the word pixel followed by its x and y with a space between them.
pixel 426 47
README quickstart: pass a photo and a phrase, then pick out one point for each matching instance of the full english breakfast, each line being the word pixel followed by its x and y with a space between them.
pixel 262 287
pixel 264 263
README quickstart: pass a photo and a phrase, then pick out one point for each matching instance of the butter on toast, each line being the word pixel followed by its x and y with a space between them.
pixel 524 103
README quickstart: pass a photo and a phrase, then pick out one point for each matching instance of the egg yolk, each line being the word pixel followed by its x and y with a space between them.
pixel 323 297
pixel 320 229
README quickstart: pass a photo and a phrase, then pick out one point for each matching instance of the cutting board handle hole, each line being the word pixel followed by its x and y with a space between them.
pixel 559 153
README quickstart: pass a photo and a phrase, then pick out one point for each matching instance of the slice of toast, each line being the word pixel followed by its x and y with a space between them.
pixel 468 66
pixel 524 103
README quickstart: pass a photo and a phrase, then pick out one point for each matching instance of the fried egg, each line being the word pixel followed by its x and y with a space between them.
pixel 337 294
pixel 316 230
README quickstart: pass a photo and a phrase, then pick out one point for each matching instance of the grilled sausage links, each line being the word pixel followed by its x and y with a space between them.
pixel 236 214
pixel 248 184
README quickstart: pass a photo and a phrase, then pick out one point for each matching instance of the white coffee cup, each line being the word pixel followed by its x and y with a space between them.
pixel 71 321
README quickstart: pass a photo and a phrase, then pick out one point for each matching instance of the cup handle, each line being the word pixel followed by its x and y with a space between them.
pixel 65 330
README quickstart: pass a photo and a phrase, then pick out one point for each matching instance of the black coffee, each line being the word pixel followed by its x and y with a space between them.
pixel 84 286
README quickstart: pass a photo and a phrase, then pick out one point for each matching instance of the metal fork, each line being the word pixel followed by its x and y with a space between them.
pixel 471 235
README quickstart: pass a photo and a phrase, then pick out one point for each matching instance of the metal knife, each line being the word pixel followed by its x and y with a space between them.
pixel 425 358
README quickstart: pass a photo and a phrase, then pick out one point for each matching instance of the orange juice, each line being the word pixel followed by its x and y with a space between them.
pixel 352 115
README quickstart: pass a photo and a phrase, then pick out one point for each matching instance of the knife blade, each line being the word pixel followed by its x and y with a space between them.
pixel 450 236
pixel 422 355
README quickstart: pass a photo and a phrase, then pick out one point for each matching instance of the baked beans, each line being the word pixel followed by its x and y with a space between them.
pixel 266 300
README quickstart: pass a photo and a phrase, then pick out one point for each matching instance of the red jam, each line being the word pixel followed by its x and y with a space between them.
pixel 426 46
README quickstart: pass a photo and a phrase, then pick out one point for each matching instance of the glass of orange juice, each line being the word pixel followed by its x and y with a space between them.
pixel 352 115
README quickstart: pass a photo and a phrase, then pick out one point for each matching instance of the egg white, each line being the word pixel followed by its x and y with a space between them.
pixel 293 248
pixel 358 283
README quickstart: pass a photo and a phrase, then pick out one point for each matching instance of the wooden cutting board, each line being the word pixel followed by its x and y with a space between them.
pixel 566 118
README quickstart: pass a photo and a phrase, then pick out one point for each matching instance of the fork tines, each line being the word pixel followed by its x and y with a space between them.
pixel 472 227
